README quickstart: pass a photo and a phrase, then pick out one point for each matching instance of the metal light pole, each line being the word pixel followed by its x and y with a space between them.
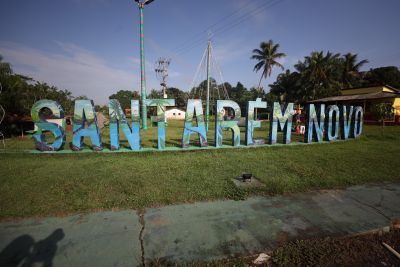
pixel 208 81
pixel 141 4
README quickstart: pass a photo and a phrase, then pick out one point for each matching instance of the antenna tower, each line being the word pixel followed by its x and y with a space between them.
pixel 161 69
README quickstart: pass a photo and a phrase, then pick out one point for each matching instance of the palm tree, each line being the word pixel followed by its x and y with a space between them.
pixel 5 67
pixel 320 74
pixel 351 69
pixel 267 57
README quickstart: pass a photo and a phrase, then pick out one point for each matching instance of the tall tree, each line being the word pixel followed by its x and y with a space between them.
pixel 267 56
pixel 320 74
pixel 124 97
pixel 383 76
pixel 5 67
pixel 351 75
pixel 178 95
pixel 288 87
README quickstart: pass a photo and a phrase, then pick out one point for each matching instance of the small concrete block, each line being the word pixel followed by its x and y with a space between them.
pixel 253 182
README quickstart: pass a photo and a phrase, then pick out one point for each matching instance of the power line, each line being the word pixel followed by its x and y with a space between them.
pixel 195 42
pixel 208 28
pixel 244 18
pixel 227 27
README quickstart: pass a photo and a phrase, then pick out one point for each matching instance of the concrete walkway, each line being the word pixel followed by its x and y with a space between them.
pixel 200 231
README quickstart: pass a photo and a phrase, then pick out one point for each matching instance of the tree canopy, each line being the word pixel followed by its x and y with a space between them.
pixel 124 97
pixel 324 74
pixel 267 56
pixel 19 92
pixel 382 76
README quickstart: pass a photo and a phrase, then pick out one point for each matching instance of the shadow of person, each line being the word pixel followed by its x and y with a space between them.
pixel 24 250
pixel 16 251
pixel 44 250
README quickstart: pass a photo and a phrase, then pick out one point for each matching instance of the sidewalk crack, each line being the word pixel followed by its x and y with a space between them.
pixel 372 207
pixel 142 223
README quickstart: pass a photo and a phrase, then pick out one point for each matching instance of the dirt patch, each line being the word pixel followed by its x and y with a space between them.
pixel 361 250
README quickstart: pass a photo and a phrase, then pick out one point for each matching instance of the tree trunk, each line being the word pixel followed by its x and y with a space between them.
pixel 259 83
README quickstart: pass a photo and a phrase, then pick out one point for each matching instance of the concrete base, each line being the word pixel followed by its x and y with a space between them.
pixel 254 182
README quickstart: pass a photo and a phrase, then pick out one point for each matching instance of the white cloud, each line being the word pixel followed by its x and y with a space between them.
pixel 232 50
pixel 173 74
pixel 72 67
pixel 256 12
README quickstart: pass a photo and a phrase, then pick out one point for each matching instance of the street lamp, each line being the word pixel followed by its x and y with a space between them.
pixel 141 4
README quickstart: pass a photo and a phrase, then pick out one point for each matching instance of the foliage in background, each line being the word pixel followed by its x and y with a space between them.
pixel 21 92
pixel 351 75
pixel 383 111
pixel 124 97
pixel 319 75
pixel 385 75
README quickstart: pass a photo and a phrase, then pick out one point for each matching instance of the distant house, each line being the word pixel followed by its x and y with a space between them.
pixel 175 114
pixel 101 120
pixel 366 97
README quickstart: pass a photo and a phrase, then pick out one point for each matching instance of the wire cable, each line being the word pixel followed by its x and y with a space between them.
pixel 253 11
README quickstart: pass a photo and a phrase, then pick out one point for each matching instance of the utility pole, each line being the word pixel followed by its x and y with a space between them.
pixel 208 80
pixel 3 114
pixel 141 4
pixel 161 69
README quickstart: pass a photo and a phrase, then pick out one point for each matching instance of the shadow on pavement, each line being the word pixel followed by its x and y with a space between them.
pixel 24 250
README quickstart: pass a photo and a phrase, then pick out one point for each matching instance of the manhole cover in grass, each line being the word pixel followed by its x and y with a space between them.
pixel 245 181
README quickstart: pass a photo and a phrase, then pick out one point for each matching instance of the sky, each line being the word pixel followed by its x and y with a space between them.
pixel 91 47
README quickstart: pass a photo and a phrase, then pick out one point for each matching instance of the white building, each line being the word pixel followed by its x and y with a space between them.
pixel 175 114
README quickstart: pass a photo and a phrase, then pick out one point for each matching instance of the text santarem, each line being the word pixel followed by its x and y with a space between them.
pixel 322 123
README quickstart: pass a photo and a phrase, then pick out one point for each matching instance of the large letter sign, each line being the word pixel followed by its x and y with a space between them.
pixel 251 122
pixel 314 123
pixel 332 123
pixel 58 130
pixel 232 124
pixel 358 121
pixel 194 105
pixel 285 122
pixel 345 121
pixel 160 104
pixel 119 121
pixel 321 125
pixel 85 115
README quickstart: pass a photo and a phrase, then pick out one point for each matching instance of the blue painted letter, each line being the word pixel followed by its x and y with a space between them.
pixel 332 123
pixel 358 121
pixel 118 121
pixel 251 122
pixel 84 114
pixel 232 124
pixel 160 104
pixel 285 122
pixel 57 129
pixel 194 105
pixel 314 123
pixel 345 121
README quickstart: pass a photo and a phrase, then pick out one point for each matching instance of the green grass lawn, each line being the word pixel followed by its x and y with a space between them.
pixel 49 184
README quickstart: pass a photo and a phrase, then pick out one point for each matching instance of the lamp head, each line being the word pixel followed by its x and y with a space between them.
pixel 145 2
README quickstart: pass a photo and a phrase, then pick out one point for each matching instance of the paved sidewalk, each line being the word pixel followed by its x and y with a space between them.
pixel 200 231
